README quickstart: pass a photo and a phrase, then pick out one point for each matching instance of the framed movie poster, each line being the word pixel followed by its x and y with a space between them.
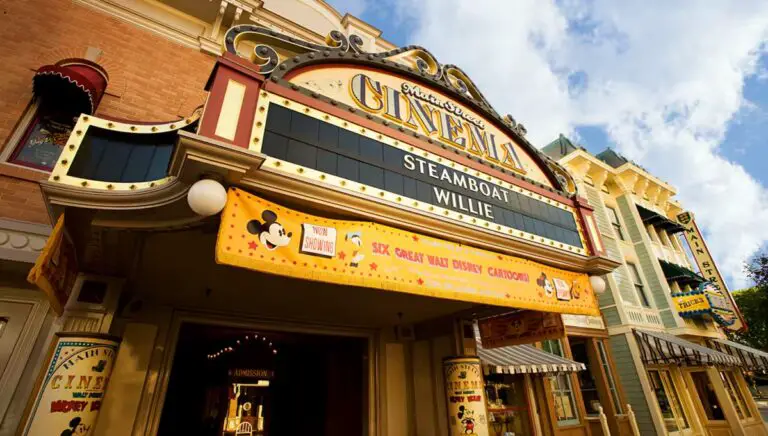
pixel 71 390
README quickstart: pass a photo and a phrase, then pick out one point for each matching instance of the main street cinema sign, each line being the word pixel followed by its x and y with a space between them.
pixel 330 150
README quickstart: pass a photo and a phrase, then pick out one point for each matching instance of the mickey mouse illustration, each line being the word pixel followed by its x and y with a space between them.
pixel 546 284
pixel 271 233
pixel 467 419
pixel 73 426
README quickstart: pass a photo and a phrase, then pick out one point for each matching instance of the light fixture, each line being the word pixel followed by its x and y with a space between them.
pixel 598 284
pixel 207 197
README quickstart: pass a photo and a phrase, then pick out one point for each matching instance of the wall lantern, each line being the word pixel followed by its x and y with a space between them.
pixel 207 197
pixel 598 284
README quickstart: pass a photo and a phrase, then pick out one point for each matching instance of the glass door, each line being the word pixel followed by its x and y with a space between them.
pixel 675 419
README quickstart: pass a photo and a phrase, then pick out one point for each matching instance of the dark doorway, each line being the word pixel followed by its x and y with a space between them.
pixel 228 381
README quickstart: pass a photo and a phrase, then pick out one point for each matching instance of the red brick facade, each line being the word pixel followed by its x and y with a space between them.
pixel 151 78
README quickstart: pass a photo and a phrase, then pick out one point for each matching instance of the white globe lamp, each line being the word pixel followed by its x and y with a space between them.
pixel 598 284
pixel 207 197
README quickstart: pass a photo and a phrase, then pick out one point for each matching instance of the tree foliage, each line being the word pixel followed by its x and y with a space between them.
pixel 753 304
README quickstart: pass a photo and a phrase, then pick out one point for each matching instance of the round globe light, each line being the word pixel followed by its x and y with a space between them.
pixel 598 284
pixel 207 197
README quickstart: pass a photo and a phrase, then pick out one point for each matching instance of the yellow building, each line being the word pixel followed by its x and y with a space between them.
pixel 666 325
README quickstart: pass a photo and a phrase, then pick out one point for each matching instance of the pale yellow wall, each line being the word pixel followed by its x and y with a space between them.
pixel 397 417
pixel 128 378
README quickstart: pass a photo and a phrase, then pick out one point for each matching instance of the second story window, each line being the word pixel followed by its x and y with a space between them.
pixel 614 217
pixel 639 287
pixel 62 91
pixel 45 136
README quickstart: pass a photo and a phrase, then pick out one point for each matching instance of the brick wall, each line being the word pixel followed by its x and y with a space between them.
pixel 151 78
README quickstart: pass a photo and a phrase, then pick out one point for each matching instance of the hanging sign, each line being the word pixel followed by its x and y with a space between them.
pixel 72 388
pixel 524 327
pixel 263 236
pixel 465 392
pixel 55 270
pixel 707 266
pixel 705 300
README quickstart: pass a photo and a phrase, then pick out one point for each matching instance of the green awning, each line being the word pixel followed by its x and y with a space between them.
pixel 659 221
pixel 680 274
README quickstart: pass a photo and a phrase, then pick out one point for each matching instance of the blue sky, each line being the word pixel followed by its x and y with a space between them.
pixel 679 87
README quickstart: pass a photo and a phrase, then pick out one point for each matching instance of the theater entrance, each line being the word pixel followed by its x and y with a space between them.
pixel 245 382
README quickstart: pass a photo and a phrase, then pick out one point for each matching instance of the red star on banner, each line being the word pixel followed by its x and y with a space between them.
pixel 500 258
pixel 506 295
pixel 252 245
pixel 415 238
pixel 342 255
pixel 420 281
pixel 373 266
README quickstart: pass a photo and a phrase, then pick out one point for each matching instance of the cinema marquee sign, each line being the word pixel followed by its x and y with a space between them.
pixel 434 117
pixel 416 107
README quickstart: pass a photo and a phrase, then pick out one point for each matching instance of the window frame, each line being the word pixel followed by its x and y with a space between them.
pixel 613 217
pixel 21 133
pixel 637 281
pixel 560 390
pixel 679 414
pixel 733 388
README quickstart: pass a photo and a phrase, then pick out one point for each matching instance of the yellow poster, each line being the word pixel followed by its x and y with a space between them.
pixel 73 385
pixel 55 270
pixel 465 392
pixel 263 236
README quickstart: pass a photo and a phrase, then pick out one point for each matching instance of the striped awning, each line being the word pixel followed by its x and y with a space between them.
pixel 663 348
pixel 524 359
pixel 751 358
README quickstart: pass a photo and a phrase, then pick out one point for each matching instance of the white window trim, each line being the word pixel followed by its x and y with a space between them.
pixel 14 139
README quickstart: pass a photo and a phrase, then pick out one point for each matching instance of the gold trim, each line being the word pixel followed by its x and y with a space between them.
pixel 60 173
pixel 259 125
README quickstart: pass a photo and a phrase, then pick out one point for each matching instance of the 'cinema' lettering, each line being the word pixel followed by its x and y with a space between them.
pixel 436 118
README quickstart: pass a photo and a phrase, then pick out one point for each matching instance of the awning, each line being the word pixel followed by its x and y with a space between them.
pixel 663 348
pixel 751 358
pixel 524 359
pixel 657 220
pixel 680 274
pixel 75 84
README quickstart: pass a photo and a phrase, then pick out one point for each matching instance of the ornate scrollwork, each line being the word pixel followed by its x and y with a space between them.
pixel 266 56
pixel 277 54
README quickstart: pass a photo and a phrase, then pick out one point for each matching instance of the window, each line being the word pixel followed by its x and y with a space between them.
pixel 639 288
pixel 706 394
pixel 587 384
pixel 668 400
pixel 737 397
pixel 43 139
pixel 611 381
pixel 562 389
pixel 614 217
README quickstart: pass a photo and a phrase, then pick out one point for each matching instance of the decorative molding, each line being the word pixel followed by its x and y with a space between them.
pixel 22 242
pixel 144 21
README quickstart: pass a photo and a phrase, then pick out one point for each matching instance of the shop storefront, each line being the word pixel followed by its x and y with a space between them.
pixel 319 249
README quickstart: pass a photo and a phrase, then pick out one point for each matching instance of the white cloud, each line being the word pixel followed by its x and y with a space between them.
pixel 663 78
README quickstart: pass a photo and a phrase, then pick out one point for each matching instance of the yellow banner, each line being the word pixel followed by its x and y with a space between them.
pixel 707 266
pixel 55 269
pixel 263 236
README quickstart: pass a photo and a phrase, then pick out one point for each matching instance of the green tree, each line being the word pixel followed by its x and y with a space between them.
pixel 753 304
